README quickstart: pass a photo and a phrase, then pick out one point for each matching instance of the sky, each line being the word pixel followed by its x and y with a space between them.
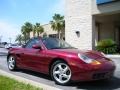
pixel 14 13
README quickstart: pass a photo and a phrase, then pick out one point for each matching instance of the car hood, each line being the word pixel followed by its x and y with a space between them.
pixel 90 53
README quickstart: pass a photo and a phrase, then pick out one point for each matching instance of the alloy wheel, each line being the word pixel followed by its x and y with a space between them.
pixel 11 63
pixel 61 73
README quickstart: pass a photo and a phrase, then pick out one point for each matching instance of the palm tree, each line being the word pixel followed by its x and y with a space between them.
pixel 38 29
pixel 24 33
pixel 19 39
pixel 58 24
pixel 26 29
pixel 34 31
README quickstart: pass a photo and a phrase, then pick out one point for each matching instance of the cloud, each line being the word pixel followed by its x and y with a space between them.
pixel 8 30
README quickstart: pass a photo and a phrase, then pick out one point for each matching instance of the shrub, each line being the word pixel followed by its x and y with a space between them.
pixel 107 46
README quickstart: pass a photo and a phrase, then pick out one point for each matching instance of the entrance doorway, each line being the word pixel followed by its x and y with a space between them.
pixel 107 27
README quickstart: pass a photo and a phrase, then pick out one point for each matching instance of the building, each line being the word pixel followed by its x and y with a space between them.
pixel 49 32
pixel 89 21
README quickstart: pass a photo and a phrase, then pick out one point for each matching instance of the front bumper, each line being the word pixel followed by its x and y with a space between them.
pixel 93 72
pixel 94 75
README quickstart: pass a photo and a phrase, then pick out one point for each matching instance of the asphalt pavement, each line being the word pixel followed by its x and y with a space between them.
pixel 3 52
pixel 113 84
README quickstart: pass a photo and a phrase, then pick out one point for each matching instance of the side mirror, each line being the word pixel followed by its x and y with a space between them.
pixel 36 47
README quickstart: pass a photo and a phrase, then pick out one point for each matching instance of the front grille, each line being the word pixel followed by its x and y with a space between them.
pixel 99 75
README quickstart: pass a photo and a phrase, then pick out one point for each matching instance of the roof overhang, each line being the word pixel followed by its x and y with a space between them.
pixel 100 2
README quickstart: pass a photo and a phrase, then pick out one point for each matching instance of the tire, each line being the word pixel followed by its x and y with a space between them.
pixel 11 63
pixel 61 73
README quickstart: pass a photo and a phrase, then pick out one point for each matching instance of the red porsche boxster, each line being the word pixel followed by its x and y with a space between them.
pixel 61 61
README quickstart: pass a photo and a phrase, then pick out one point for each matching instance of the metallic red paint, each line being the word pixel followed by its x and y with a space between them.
pixel 40 60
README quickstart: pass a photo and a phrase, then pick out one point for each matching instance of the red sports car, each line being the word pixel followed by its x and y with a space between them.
pixel 61 61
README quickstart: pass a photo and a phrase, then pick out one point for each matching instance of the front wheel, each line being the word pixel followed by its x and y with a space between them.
pixel 61 73
pixel 11 63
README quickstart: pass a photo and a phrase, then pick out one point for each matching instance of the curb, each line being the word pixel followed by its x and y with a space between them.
pixel 27 81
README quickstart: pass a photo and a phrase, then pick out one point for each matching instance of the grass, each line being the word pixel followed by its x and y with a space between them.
pixel 11 84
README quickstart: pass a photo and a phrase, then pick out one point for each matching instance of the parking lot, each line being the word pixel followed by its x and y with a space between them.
pixel 113 84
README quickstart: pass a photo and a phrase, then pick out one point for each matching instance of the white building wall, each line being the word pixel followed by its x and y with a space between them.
pixel 113 7
pixel 48 30
pixel 78 17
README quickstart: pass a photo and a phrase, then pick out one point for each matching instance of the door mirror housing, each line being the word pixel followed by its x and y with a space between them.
pixel 37 47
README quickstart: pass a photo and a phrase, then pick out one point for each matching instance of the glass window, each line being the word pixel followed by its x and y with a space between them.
pixel 32 42
pixel 53 35
pixel 53 43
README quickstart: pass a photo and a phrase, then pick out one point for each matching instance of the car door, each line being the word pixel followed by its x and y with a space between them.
pixel 32 58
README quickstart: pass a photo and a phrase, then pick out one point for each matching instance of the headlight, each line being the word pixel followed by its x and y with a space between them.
pixel 85 58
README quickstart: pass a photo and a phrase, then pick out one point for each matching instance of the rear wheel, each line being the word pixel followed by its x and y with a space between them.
pixel 11 63
pixel 61 73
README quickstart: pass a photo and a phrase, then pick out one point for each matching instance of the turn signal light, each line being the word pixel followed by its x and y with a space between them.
pixel 95 62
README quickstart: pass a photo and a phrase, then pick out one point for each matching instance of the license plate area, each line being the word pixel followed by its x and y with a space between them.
pixel 99 75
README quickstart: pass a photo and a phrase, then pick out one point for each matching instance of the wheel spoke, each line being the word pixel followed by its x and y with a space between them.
pixel 60 67
pixel 65 69
pixel 10 61
pixel 65 76
pixel 11 64
pixel 60 78
pixel 57 72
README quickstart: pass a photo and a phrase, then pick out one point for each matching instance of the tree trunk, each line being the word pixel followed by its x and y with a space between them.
pixel 25 38
pixel 58 34
pixel 29 35
pixel 37 34
pixel 33 34
pixel 20 42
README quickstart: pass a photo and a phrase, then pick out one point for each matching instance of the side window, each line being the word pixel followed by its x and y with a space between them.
pixel 32 42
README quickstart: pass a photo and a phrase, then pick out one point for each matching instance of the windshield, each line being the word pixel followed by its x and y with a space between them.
pixel 53 43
